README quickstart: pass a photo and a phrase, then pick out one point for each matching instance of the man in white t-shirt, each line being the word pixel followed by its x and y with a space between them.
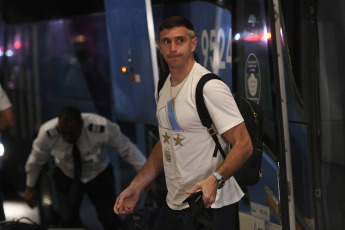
pixel 185 149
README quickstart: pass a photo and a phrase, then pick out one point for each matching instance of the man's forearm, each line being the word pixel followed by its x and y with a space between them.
pixel 33 171
pixel 241 150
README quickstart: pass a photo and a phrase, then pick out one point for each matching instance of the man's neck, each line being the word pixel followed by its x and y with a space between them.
pixel 179 74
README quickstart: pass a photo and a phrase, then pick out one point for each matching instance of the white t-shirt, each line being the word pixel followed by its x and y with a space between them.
pixel 187 147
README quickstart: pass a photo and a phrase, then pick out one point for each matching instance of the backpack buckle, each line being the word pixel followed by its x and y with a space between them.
pixel 211 131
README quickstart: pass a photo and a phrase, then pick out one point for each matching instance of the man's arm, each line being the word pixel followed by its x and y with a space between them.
pixel 38 157
pixel 241 150
pixel 127 150
pixel 127 200
pixel 33 168
pixel 7 118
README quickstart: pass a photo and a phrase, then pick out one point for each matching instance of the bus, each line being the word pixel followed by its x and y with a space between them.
pixel 283 55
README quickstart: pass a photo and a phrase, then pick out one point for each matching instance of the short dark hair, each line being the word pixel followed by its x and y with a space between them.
pixel 175 21
pixel 70 114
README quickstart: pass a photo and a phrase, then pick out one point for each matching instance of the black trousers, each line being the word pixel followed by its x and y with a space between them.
pixel 225 218
pixel 100 191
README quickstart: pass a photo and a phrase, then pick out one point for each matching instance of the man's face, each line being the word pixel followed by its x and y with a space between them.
pixel 70 131
pixel 176 46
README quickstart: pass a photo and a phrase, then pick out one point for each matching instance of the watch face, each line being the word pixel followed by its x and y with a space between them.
pixel 221 183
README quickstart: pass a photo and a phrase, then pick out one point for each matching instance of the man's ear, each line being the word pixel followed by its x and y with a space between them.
pixel 194 42
pixel 159 46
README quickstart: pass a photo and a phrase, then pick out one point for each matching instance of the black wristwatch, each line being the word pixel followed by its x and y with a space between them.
pixel 220 180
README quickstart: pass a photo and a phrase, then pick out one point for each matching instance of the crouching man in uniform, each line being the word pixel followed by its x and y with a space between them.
pixel 76 141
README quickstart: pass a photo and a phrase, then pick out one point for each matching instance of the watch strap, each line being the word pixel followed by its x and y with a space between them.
pixel 220 180
pixel 217 175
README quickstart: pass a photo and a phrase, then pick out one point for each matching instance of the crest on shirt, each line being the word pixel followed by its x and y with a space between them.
pixel 167 154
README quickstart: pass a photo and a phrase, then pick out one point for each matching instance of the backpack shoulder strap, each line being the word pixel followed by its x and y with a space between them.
pixel 199 99
pixel 204 115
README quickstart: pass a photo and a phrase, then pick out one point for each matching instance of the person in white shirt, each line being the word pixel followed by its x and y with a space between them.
pixel 7 120
pixel 76 141
pixel 185 150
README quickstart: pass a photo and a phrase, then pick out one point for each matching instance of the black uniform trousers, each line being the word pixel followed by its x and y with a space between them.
pixel 100 191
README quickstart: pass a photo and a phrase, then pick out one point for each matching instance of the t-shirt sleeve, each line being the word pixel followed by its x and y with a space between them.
pixel 4 101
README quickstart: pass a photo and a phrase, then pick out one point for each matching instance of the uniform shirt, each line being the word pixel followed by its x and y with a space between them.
pixel 186 145
pixel 97 132
pixel 4 101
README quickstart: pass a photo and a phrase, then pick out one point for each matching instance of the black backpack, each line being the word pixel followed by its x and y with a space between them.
pixel 250 173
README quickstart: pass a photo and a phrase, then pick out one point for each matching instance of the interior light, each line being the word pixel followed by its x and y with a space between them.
pixel 9 53
pixel 237 36
pixel 124 69
pixel 268 36
pixel 2 149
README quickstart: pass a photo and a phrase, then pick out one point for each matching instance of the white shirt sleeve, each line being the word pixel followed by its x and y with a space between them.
pixel 4 101
pixel 124 147
pixel 38 157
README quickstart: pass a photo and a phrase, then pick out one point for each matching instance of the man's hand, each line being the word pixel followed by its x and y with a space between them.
pixel 126 201
pixel 30 196
pixel 208 188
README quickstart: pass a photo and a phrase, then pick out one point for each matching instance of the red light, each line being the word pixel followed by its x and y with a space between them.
pixel 17 44
pixel 257 37
pixel 253 38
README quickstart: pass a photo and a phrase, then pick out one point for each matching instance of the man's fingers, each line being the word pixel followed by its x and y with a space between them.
pixel 117 205
pixel 119 208
pixel 126 210
pixel 123 210
pixel 32 203
pixel 194 189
